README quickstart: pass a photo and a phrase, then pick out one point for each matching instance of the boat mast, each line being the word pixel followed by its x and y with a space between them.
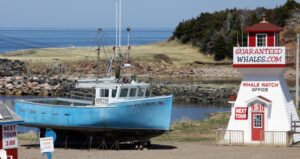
pixel 116 48
pixel 117 26
pixel 120 23
pixel 118 38
pixel 98 53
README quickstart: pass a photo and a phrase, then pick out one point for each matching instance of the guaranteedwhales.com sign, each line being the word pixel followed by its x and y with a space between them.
pixel 258 55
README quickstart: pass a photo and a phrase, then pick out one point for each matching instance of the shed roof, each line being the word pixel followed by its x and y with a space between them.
pixel 263 26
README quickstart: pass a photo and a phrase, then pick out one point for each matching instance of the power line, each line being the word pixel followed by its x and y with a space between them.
pixel 19 44
pixel 28 41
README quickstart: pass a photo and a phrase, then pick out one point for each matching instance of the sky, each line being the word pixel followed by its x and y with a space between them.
pixel 101 13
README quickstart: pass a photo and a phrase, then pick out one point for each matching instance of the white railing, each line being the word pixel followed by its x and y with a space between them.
pixel 229 137
pixel 276 138
pixel 236 137
pixel 80 95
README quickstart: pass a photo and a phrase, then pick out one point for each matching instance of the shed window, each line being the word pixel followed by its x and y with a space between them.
pixel 104 93
pixel 132 92
pixel 261 40
pixel 124 92
pixel 257 119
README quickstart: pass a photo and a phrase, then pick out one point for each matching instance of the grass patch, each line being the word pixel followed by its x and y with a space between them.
pixel 173 52
pixel 196 131
pixel 27 137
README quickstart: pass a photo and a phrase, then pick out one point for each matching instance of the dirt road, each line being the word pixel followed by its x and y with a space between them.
pixel 173 150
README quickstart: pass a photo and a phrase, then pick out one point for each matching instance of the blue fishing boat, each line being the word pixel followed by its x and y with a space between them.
pixel 120 107
pixel 117 106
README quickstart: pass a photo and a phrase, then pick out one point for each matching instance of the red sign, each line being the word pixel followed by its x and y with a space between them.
pixel 9 136
pixel 241 113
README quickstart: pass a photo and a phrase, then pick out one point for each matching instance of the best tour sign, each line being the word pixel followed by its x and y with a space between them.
pixel 258 56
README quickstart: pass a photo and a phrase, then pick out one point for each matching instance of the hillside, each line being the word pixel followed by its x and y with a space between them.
pixel 216 33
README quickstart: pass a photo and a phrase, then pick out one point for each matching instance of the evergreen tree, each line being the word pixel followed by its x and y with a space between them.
pixel 216 33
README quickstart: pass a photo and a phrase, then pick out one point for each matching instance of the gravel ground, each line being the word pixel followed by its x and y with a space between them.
pixel 172 150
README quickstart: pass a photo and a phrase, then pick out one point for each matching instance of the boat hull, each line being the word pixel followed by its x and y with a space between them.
pixel 144 115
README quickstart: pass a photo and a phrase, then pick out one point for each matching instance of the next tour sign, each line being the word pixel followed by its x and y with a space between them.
pixel 241 113
pixel 9 134
pixel 259 56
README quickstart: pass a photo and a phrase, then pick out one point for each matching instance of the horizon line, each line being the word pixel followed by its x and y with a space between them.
pixel 83 28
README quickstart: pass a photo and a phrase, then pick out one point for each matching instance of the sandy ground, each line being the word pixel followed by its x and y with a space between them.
pixel 172 150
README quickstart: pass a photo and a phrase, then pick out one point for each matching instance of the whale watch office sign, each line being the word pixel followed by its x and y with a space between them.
pixel 259 56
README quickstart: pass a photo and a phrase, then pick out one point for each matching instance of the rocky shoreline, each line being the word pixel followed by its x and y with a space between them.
pixel 16 78
pixel 60 86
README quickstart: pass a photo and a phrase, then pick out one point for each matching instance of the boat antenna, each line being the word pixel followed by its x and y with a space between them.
pixel 128 43
pixel 98 52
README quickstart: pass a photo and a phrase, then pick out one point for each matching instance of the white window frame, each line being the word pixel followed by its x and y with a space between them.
pixel 136 90
pixel 276 39
pixel 261 121
pixel 256 39
pixel 248 38
pixel 128 89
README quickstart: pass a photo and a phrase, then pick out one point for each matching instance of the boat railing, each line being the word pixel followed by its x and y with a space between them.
pixel 80 95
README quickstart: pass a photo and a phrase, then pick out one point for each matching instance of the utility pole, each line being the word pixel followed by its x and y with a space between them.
pixel 297 72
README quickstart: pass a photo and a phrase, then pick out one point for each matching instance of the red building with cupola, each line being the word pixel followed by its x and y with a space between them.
pixel 263 110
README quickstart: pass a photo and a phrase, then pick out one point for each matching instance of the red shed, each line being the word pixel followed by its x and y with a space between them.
pixel 8 131
pixel 263 34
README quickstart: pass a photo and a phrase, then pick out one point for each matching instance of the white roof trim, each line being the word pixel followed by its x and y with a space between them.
pixel 260 99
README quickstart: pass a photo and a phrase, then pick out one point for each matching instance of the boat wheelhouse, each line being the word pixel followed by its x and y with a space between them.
pixel 110 90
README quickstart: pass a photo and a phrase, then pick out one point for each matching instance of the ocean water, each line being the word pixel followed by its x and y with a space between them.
pixel 19 39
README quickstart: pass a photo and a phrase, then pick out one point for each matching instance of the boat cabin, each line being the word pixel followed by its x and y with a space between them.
pixel 119 92
pixel 110 91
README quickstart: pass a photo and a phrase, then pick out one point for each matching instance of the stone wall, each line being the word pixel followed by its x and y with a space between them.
pixel 196 93
pixel 11 68
pixel 36 85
